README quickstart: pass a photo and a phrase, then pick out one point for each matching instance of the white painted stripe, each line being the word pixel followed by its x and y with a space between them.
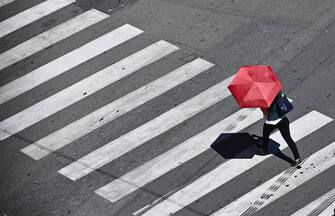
pixel 67 61
pixel 102 116
pixel 234 167
pixel 123 144
pixel 330 211
pixel 89 85
pixel 321 164
pixel 319 203
pixel 30 15
pixel 176 156
pixel 5 2
pixel 50 37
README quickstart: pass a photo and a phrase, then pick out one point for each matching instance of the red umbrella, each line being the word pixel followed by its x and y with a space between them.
pixel 255 86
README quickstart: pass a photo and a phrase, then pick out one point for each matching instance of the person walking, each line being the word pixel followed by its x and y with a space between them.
pixel 254 86
pixel 273 120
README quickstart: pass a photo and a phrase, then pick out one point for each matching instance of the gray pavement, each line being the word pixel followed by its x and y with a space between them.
pixel 295 37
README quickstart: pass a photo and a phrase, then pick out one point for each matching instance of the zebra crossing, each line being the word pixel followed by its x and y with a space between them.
pixel 118 107
pixel 317 159
pixel 232 168
pixel 50 37
pixel 68 61
pixel 166 162
pixel 323 205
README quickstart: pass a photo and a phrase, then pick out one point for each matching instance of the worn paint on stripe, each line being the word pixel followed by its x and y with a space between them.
pixel 67 62
pixel 5 2
pixel 322 160
pixel 234 167
pixel 123 144
pixel 178 155
pixel 49 38
pixel 30 15
pixel 317 206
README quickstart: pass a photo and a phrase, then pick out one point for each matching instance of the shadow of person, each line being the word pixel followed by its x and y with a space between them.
pixel 243 145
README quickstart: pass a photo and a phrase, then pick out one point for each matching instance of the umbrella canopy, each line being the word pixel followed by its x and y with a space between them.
pixel 255 86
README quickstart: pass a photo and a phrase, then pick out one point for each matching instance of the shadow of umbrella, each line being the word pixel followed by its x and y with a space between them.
pixel 243 145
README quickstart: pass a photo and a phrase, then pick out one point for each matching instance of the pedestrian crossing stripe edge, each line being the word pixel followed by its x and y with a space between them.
pixel 97 118
pixel 68 61
pixel 317 206
pixel 116 148
pixel 215 178
pixel 74 93
pixel 238 206
pixel 49 38
pixel 30 15
pixel 176 156
pixel 330 210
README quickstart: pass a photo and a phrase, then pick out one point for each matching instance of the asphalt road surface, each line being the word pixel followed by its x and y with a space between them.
pixel 110 108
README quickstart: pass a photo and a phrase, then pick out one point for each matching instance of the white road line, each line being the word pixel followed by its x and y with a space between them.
pixel 234 167
pixel 50 37
pixel 67 61
pixel 5 2
pixel 178 155
pixel 102 116
pixel 322 160
pixel 114 149
pixel 319 205
pixel 30 15
pixel 329 211
pixel 85 87
pixel 153 128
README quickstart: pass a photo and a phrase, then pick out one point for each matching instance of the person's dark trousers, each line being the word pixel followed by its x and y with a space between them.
pixel 284 129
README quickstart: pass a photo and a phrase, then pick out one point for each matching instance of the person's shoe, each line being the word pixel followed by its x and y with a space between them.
pixel 297 162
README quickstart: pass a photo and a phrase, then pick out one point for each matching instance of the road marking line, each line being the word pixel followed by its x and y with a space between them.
pixel 330 210
pixel 319 205
pixel 102 116
pixel 30 15
pixel 178 155
pixel 116 148
pixel 280 181
pixel 5 2
pixel 234 167
pixel 322 160
pixel 67 62
pixel 85 87
pixel 50 37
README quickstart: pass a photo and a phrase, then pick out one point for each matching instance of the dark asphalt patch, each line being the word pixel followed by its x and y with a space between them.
pixel 106 6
